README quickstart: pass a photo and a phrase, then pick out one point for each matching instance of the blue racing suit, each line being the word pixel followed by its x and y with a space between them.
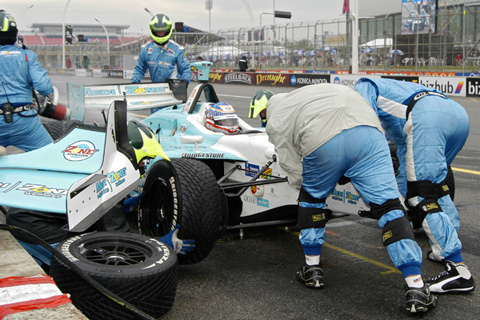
pixel 19 70
pixel 436 130
pixel 163 62
pixel 324 131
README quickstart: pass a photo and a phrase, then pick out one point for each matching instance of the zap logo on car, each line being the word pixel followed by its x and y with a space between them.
pixel 80 150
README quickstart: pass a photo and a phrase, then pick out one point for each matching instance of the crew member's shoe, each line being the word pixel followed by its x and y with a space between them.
pixel 311 276
pixel 455 278
pixel 420 299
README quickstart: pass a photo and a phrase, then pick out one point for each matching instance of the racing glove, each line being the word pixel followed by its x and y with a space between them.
pixel 180 246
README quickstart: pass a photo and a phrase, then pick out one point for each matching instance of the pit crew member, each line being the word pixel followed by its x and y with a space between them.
pixel 164 58
pixel 335 133
pixel 429 130
pixel 20 126
pixel 258 105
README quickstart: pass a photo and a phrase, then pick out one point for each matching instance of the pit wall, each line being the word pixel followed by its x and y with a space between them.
pixel 450 83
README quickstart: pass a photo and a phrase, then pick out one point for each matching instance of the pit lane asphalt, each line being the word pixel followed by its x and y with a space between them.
pixel 254 277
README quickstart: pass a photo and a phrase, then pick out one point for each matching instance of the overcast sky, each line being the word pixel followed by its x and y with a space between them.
pixel 225 13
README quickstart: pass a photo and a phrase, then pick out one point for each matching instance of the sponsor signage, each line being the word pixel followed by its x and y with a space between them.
pixel 273 79
pixel 300 80
pixel 216 77
pixel 238 77
pixel 473 87
pixel 348 80
pixel 449 86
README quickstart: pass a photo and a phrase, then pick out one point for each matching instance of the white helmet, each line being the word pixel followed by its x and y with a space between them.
pixel 221 117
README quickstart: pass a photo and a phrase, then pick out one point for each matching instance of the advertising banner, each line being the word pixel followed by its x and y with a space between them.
pixel 449 86
pixel 272 79
pixel 240 78
pixel 300 80
pixel 473 87
pixel 349 80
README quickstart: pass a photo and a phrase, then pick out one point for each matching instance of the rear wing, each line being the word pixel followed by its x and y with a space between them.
pixel 82 175
pixel 139 96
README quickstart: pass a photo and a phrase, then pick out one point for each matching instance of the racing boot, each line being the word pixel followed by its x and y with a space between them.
pixel 420 299
pixel 455 278
pixel 311 276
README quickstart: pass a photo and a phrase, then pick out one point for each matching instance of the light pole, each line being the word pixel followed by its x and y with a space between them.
pixel 151 14
pixel 26 9
pixel 276 14
pixel 108 42
pixel 63 34
pixel 355 16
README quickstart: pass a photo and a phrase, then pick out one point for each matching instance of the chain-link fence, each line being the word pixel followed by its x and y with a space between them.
pixel 384 44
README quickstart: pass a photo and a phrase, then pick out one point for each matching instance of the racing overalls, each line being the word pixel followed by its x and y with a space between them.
pixel 326 131
pixel 427 141
pixel 163 62
pixel 19 70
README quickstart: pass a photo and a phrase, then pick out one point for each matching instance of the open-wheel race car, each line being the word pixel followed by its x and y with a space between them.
pixel 227 181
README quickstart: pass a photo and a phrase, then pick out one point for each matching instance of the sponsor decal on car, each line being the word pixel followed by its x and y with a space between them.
pixel 183 128
pixel 141 90
pixel 262 202
pixel 114 178
pixel 39 190
pixel 80 150
pixel 251 167
pixel 209 155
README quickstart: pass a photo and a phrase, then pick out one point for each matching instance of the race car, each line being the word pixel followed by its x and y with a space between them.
pixel 227 181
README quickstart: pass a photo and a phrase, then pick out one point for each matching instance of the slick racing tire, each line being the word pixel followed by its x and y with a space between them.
pixel 139 269
pixel 201 218
pixel 162 202
pixel 56 128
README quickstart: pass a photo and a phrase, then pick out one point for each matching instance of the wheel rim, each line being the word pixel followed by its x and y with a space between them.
pixel 114 252
pixel 159 218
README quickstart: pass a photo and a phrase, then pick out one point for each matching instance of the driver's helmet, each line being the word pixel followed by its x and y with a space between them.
pixel 8 28
pixel 160 28
pixel 144 143
pixel 221 117
pixel 259 103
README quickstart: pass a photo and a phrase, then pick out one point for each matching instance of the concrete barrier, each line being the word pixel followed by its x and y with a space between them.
pixel 16 262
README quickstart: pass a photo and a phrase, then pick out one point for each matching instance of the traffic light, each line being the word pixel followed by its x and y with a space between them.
pixel 68 34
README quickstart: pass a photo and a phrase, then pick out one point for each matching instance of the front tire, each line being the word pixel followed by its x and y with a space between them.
pixel 203 206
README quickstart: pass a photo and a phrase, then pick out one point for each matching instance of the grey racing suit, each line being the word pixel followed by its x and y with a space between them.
pixel 19 70
pixel 427 142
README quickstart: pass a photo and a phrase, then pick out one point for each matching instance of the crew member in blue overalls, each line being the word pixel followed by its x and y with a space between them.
pixel 429 130
pixel 335 133
pixel 19 72
pixel 164 58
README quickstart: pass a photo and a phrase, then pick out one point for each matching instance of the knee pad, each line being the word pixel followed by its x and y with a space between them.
pixel 396 230
pixel 427 189
pixel 311 217
pixel 378 210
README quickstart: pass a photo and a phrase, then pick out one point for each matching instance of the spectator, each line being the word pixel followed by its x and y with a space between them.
pixel 243 64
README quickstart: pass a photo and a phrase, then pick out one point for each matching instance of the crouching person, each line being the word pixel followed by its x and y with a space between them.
pixel 334 133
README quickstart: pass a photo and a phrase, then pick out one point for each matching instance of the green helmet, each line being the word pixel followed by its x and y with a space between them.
pixel 160 28
pixel 259 102
pixel 8 29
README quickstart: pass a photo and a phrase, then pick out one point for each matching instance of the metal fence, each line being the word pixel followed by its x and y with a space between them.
pixel 321 45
